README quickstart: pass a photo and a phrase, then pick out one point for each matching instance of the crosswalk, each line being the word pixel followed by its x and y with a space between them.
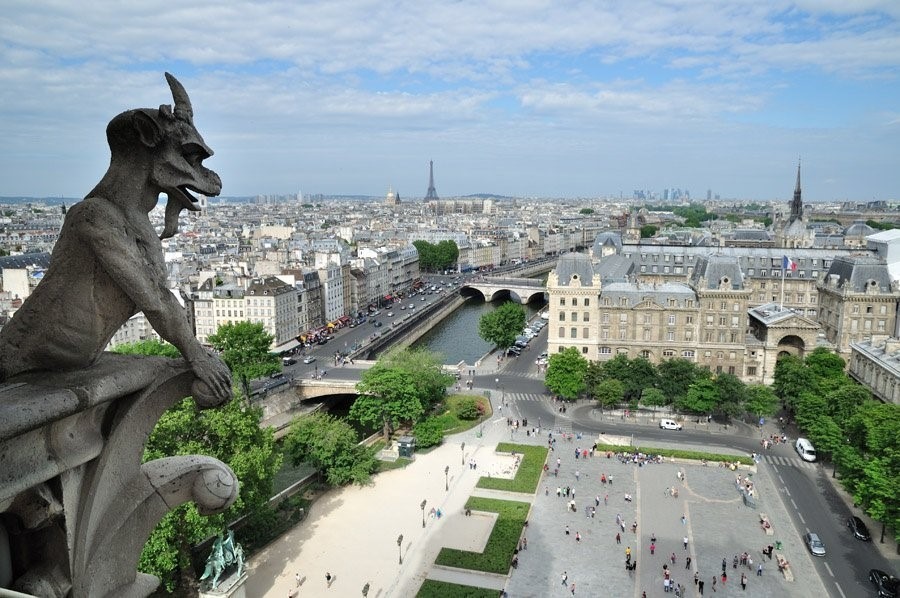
pixel 788 461
pixel 525 396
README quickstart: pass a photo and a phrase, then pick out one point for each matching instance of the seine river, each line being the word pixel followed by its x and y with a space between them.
pixel 456 337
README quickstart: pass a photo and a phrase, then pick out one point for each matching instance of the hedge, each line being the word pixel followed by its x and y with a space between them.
pixel 528 475
pixel 444 589
pixel 501 544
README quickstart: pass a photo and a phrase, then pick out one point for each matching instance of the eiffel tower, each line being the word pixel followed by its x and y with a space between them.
pixel 432 193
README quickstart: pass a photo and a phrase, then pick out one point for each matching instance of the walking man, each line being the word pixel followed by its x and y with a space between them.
pixel 759 570
pixel 743 581
pixel 565 578
pixel 687 563
pixel 685 542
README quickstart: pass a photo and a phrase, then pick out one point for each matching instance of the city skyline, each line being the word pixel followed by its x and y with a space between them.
pixel 528 99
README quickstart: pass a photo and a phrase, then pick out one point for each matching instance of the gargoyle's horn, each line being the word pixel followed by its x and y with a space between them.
pixel 183 110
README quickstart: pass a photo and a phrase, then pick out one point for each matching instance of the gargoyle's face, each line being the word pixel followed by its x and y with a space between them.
pixel 178 166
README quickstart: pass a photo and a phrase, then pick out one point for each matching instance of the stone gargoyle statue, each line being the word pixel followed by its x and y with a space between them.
pixel 77 502
pixel 108 262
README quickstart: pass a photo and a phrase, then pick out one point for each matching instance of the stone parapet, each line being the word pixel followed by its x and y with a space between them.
pixel 76 503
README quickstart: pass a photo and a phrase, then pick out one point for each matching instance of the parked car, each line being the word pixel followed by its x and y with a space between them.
pixel 377 324
pixel 277 375
pixel 859 529
pixel 815 545
pixel 288 361
pixel 390 314
pixel 886 585
pixel 309 359
pixel 514 350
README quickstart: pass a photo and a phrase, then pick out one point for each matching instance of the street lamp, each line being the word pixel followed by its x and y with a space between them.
pixel 446 479
pixel 424 502
pixel 400 547
pixel 462 452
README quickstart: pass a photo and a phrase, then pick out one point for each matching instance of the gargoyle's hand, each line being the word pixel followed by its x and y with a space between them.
pixel 213 384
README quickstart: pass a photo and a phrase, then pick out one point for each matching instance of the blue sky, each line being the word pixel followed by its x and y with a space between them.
pixel 548 98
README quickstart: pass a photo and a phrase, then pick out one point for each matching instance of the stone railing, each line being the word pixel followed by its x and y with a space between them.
pixel 76 503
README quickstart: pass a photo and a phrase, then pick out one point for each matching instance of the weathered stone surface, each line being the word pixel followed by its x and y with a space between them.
pixel 76 503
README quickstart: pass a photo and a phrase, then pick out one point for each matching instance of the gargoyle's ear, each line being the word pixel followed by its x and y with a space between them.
pixel 146 127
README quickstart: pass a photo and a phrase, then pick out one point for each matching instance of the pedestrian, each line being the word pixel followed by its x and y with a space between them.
pixel 724 564
pixel 297 577
pixel 328 578
pixel 744 581
pixel 673 558
pixel 618 538
pixel 749 562
pixel 696 577
pixel 687 563
pixel 565 578
pixel 724 578
pixel 567 530
pixel 572 589
pixel 714 582
pixel 759 570
pixel 524 543
pixel 577 476
pixel 666 493
pixel 558 491
pixel 652 548
pixel 683 520
pixel 606 499
pixel 597 500
pixel 609 479
pixel 578 536
pixel 628 554
pixel 700 586
pixel 685 542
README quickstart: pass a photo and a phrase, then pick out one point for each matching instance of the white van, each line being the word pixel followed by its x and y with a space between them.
pixel 669 424
pixel 805 449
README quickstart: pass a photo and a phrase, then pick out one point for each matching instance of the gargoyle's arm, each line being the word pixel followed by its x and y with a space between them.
pixel 134 263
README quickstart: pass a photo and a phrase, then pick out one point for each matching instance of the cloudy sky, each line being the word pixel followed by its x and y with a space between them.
pixel 551 98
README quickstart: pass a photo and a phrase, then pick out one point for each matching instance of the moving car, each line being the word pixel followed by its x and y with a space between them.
pixel 669 424
pixel 377 324
pixel 805 449
pixel 815 545
pixel 288 361
pixel 390 314
pixel 309 359
pixel 886 585
pixel 859 529
pixel 514 350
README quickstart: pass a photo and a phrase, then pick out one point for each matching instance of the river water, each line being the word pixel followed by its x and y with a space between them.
pixel 456 336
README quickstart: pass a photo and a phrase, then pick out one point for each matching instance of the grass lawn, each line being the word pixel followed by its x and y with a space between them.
pixel 501 544
pixel 451 424
pixel 443 589
pixel 529 474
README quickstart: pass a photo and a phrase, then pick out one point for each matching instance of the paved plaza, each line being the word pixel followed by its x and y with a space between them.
pixel 352 532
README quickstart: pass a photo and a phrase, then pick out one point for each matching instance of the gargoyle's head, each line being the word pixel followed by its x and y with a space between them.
pixel 175 149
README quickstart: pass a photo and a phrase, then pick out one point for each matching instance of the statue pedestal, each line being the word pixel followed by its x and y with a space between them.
pixel 230 587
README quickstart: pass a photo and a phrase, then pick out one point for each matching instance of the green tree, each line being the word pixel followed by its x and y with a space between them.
pixel 467 408
pixel 634 374
pixel 732 394
pixel 827 369
pixel 675 377
pixel 428 432
pixel 761 401
pixel 436 257
pixel 425 367
pixel 648 230
pixel 502 325
pixel 843 402
pixel 609 392
pixel 826 436
pixel 586 211
pixel 701 397
pixel 244 347
pixel 230 433
pixel 330 445
pixel 653 397
pixel 593 376
pixel 565 373
pixel 791 379
pixel 148 347
pixel 386 397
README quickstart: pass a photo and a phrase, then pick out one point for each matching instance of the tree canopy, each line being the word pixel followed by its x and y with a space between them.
pixel 331 446
pixel 244 347
pixel 565 373
pixel 502 325
pixel 387 396
pixel 436 256
pixel 425 367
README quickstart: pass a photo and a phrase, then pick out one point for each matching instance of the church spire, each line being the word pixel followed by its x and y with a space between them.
pixel 797 203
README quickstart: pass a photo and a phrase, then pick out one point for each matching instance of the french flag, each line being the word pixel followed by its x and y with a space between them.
pixel 789 264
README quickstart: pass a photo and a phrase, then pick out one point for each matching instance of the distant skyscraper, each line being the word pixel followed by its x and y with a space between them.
pixel 708 194
pixel 432 193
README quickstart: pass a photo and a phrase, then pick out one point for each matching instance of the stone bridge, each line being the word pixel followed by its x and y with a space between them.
pixel 523 290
